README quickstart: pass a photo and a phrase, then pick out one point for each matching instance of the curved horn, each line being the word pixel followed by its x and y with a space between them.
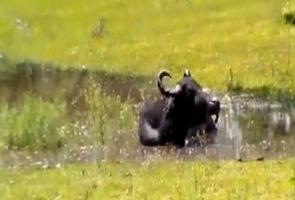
pixel 166 92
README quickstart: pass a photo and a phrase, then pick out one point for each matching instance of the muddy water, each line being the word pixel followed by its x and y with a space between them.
pixel 50 82
pixel 252 128
pixel 249 128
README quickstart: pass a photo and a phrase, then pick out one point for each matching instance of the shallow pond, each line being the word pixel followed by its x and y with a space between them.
pixel 249 128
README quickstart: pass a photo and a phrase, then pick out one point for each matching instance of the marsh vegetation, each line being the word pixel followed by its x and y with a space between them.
pixel 74 74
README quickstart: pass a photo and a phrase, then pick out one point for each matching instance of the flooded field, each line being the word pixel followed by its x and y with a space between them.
pixel 250 128
pixel 50 82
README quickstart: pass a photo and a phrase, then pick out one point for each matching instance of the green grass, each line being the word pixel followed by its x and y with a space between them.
pixel 35 124
pixel 288 13
pixel 209 37
pixel 154 180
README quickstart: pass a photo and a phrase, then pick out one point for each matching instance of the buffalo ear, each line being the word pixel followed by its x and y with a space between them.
pixel 186 73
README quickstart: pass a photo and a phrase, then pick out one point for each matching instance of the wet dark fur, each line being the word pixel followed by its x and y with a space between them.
pixel 176 117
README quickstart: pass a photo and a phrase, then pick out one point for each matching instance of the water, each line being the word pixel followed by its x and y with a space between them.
pixel 254 128
pixel 249 128
pixel 48 82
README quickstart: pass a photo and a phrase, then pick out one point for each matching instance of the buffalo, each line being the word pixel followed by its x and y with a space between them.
pixel 179 114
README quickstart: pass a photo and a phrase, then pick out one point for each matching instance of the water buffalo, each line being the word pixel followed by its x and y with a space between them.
pixel 183 109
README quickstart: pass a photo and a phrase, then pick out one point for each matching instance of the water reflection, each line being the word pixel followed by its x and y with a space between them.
pixel 279 121
pixel 230 125
pixel 254 127
pixel 50 82
pixel 248 128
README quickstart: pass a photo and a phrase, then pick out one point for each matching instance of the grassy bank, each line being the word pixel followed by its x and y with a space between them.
pixel 31 123
pixel 225 43
pixel 154 180
pixel 210 38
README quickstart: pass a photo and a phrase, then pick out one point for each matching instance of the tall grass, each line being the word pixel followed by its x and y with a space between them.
pixel 108 117
pixel 36 124
pixel 106 121
pixel 33 124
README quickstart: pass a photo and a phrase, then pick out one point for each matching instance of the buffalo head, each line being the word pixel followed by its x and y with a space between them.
pixel 168 120
pixel 190 97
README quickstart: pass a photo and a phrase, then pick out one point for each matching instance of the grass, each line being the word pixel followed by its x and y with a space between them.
pixel 140 37
pixel 154 180
pixel 227 44
pixel 35 124
pixel 288 13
